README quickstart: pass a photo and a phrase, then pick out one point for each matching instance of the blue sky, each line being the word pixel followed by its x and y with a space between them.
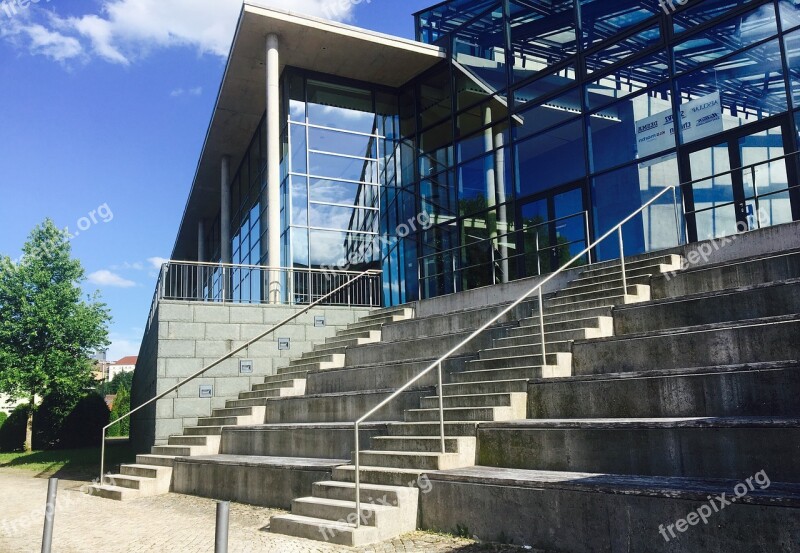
pixel 103 108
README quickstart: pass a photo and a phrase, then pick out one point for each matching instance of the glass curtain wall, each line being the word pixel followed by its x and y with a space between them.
pixel 616 100
pixel 341 169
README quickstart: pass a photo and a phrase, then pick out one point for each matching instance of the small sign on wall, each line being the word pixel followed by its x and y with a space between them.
pixel 284 344
pixel 206 391
pixel 319 321
pixel 245 366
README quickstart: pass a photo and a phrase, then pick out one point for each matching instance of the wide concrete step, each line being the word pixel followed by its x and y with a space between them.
pixel 145 485
pixel 382 376
pixel 259 401
pixel 556 359
pixel 373 324
pixel 218 421
pixel 400 312
pixel 509 373
pixel 763 340
pixel 246 415
pixel 337 347
pixel 725 447
pixel 190 440
pixel 298 383
pixel 603 283
pixel 637 275
pixel 346 491
pixel 116 493
pixel 427 444
pixel 336 509
pixel 502 399
pixel 579 508
pixel 293 373
pixel 463 414
pixel 567 297
pixel 528 338
pixel 761 389
pixel 311 357
pixel 526 350
pixel 672 261
pixel 178 450
pixel 203 430
pixel 339 533
pixel 146 471
pixel 582 307
pixel 728 275
pixel 158 460
pixel 486 387
pixel 766 300
pixel 373 334
pixel 425 429
pixel 417 460
pixel 391 476
pixel 567 320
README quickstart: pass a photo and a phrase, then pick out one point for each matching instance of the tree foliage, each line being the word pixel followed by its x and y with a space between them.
pixel 122 406
pixel 3 417
pixel 120 380
pixel 48 331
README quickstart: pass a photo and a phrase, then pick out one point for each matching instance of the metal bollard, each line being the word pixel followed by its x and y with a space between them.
pixel 223 516
pixel 49 515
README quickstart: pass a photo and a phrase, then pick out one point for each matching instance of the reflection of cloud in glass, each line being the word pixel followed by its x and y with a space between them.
pixel 327 248
pixel 341 118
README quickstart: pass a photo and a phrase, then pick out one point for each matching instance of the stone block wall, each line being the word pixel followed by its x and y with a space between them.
pixel 187 336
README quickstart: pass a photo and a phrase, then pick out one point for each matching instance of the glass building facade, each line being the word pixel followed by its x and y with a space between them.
pixel 548 123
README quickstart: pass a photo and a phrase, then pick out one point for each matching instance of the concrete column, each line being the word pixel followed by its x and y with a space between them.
pixel 502 216
pixel 491 190
pixel 273 166
pixel 225 225
pixel 225 210
pixel 201 241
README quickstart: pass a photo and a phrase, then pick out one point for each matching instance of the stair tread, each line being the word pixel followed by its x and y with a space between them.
pixel 491 394
pixel 335 525
pixel 671 422
pixel 344 503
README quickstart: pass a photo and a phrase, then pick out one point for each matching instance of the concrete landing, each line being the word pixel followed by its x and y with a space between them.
pixel 264 481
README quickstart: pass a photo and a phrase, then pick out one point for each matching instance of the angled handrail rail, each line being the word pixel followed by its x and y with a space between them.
pixel 306 309
pixel 438 363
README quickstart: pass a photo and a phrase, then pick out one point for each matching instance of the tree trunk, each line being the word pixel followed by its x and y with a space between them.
pixel 29 426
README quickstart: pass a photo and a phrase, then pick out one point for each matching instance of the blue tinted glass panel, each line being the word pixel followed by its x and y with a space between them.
pixel 542 34
pixel 627 80
pixel 547 114
pixel 340 107
pixel 480 49
pixel 544 86
pixel 699 13
pixel 623 49
pixel 342 143
pixel 550 159
pixel 325 165
pixel 603 20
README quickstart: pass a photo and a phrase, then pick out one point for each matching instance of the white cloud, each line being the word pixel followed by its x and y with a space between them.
pixel 124 31
pixel 107 278
pixel 196 91
pixel 157 262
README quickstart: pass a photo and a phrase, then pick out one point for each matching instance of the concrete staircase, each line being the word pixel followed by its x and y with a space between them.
pixel 493 387
pixel 694 396
pixel 152 473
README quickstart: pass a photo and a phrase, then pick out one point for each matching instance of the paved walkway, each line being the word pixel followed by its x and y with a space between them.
pixel 170 524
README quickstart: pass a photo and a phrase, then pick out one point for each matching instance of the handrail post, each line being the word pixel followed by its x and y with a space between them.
pixel 358 480
pixel 541 326
pixel 588 237
pixel 677 218
pixel 455 279
pixel 622 261
pixel 102 458
pixel 441 409
pixel 538 256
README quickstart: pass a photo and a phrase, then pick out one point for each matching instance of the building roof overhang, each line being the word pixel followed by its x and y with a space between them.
pixel 305 42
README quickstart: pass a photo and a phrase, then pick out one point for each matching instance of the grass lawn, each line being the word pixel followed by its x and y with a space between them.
pixel 79 464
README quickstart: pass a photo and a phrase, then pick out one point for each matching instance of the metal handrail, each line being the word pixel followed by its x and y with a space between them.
pixel 265 268
pixel 224 358
pixel 438 363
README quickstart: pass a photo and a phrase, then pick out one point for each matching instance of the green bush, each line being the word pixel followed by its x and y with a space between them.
pixel 3 417
pixel 12 432
pixel 122 380
pixel 84 425
pixel 62 421
pixel 122 406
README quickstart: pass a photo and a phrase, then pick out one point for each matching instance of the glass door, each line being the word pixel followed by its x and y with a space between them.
pixel 553 229
pixel 740 182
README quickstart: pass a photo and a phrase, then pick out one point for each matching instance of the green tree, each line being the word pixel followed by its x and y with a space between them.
pixel 48 330
pixel 122 406
pixel 3 417
pixel 120 380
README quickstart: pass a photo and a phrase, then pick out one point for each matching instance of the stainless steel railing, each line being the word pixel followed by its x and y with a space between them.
pixel 499 260
pixel 536 289
pixel 354 279
pixel 256 284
